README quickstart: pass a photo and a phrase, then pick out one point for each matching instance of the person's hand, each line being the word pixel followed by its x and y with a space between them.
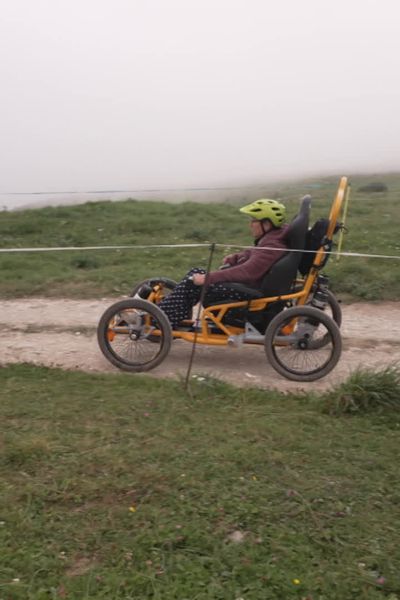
pixel 199 278
pixel 227 260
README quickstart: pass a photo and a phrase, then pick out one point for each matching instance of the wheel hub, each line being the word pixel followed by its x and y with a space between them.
pixel 303 344
pixel 134 335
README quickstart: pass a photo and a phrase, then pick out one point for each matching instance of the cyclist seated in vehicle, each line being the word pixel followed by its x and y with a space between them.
pixel 247 267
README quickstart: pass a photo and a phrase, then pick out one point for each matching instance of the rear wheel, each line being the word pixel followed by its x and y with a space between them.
pixel 293 343
pixel 126 331
pixel 332 309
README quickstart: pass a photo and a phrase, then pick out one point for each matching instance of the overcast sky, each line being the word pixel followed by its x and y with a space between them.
pixel 125 94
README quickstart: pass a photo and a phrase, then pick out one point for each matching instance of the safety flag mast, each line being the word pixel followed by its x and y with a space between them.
pixel 343 228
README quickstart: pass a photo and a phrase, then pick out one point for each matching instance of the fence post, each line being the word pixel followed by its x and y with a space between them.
pixel 203 291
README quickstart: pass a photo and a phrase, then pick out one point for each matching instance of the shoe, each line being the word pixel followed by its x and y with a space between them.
pixel 144 292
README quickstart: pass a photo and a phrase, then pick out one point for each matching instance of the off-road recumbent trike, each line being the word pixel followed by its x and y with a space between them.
pixel 296 320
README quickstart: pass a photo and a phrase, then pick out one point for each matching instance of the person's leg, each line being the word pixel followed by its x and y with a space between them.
pixel 179 303
pixel 223 293
pixel 218 293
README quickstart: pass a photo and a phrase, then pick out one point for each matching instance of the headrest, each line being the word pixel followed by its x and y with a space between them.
pixel 296 235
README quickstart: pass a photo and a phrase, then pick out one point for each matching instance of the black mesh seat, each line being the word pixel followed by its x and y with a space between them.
pixel 281 275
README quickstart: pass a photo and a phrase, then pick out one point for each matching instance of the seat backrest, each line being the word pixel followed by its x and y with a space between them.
pixel 281 275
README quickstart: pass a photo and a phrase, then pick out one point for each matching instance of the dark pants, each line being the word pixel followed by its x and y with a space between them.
pixel 179 304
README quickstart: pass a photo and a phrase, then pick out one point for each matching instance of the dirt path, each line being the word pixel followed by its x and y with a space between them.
pixel 62 333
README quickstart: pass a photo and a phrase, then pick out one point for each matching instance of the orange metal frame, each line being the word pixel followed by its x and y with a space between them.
pixel 215 314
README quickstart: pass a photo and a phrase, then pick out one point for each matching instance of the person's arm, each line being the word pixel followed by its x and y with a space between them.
pixel 258 264
pixel 234 259
pixel 228 262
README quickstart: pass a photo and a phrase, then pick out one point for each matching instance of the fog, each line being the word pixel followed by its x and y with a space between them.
pixel 128 95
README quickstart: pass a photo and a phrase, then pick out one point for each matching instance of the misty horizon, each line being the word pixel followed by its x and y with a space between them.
pixel 173 95
pixel 20 201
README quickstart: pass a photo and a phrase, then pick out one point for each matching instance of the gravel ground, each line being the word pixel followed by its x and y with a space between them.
pixel 62 333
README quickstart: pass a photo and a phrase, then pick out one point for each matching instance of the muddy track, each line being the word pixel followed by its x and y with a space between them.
pixel 62 333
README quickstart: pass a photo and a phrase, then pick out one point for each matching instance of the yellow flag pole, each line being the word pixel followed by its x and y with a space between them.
pixel 346 204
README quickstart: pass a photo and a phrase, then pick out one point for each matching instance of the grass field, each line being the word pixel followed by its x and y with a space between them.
pixel 373 225
pixel 128 488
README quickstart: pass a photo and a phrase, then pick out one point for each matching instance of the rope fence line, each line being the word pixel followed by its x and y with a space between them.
pixel 330 252
pixel 127 247
pixel 203 245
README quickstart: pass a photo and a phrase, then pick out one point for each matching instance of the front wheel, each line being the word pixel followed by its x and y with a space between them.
pixel 127 331
pixel 293 343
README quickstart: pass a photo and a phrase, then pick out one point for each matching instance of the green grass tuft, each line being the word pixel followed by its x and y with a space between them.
pixel 366 391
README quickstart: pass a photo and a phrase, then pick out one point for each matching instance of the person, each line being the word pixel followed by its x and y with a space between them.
pixel 247 267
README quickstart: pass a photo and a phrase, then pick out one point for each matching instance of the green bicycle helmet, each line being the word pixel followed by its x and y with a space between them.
pixel 266 209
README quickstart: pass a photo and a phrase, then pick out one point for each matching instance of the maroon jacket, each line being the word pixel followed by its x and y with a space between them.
pixel 250 265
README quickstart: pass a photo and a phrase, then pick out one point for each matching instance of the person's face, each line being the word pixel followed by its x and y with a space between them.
pixel 258 228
